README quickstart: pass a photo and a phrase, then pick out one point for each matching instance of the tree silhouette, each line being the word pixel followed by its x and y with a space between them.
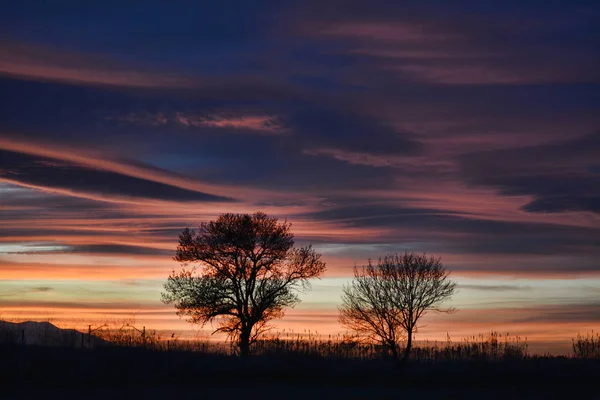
pixel 249 271
pixel 384 302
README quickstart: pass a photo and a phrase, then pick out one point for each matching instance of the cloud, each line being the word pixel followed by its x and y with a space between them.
pixel 563 204
pixel 31 61
pixel 99 163
pixel 231 122
pixel 418 45
pixel 442 231
pixel 570 313
pixel 81 157
pixel 462 75
pixel 40 172
pixel 67 272
pixel 117 249
pixel 381 31
pixel 41 289
pixel 353 158
pixel 17 291
pixel 494 288
pixel 348 131
pixel 558 175
pixel 78 305
pixel 418 164
pixel 253 123
pixel 111 249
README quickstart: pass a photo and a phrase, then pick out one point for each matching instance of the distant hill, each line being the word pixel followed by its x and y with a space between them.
pixel 45 334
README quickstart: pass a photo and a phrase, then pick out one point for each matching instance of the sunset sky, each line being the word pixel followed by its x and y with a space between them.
pixel 465 129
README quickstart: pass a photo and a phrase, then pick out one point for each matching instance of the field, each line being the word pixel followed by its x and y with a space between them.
pixel 139 366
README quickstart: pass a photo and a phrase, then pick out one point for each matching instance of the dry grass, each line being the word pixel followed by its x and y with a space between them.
pixel 493 346
pixel 587 346
pixel 140 356
pixel 490 347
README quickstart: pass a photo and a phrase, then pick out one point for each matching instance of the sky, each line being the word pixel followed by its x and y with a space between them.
pixel 467 130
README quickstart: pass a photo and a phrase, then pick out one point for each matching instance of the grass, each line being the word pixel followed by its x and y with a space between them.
pixel 493 346
pixel 117 365
pixel 490 347
pixel 587 346
pixel 135 355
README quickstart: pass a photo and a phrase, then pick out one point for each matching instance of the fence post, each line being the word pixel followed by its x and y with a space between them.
pixel 23 337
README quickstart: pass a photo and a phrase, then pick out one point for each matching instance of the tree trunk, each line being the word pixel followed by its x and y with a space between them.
pixel 394 349
pixel 244 343
pixel 408 347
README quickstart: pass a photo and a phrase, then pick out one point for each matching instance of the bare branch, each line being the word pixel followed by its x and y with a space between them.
pixel 385 302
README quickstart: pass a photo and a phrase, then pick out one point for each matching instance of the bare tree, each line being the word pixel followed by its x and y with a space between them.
pixel 249 271
pixel 385 302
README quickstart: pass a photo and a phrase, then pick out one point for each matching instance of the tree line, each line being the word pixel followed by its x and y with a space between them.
pixel 243 270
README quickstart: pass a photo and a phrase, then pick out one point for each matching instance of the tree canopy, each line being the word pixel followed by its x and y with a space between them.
pixel 385 301
pixel 240 271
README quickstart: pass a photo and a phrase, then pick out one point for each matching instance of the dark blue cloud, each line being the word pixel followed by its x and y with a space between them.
pixel 97 249
pixel 559 175
pixel 46 173
pixel 564 203
pixel 467 234
pixel 182 33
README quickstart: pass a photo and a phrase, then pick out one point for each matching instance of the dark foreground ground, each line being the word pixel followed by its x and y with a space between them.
pixel 130 373
pixel 302 390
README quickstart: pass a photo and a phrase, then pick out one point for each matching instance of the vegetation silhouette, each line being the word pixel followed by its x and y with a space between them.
pixel 587 346
pixel 494 366
pixel 355 368
pixel 384 302
pixel 249 272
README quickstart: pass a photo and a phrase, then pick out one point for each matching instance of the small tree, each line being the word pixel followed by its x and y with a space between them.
pixel 384 302
pixel 249 272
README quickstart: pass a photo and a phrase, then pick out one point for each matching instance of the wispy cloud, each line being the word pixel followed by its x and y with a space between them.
pixel 98 184
pixel 41 289
pixel 37 62
pixel 380 31
pixel 95 162
pixel 354 157
pixel 472 52
pixel 250 122
pixel 494 288
pixel 233 122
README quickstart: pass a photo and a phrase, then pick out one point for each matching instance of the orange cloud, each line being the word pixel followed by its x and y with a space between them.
pixel 12 270
pixel 260 123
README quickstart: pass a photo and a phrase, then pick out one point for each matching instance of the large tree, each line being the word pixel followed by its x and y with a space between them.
pixel 240 271
pixel 384 302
